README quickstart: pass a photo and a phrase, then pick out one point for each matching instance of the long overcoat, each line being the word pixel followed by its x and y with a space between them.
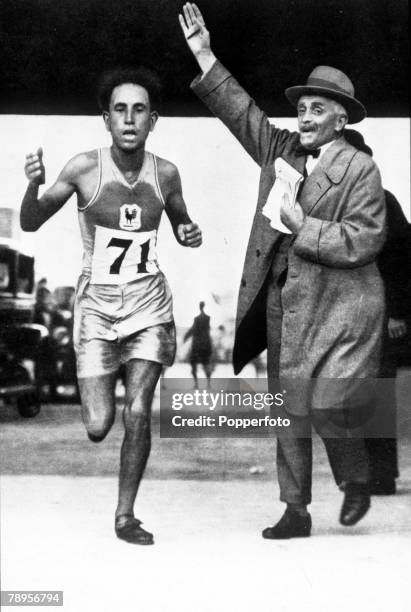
pixel 333 298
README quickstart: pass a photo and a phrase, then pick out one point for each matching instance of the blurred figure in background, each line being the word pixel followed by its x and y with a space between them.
pixel 394 264
pixel 44 307
pixel 42 284
pixel 201 345
pixel 46 363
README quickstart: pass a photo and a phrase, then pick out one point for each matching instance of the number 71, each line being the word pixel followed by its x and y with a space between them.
pixel 125 245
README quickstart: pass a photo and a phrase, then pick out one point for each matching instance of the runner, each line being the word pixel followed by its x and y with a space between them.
pixel 123 308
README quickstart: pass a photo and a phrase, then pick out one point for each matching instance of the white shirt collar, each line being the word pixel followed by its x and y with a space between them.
pixel 313 161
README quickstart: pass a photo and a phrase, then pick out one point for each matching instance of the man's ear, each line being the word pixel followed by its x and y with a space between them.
pixel 106 119
pixel 153 120
pixel 341 123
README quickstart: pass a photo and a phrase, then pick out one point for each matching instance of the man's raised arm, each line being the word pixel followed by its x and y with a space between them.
pixel 225 97
pixel 34 210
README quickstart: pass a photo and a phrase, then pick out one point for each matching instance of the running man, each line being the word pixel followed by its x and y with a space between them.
pixel 123 309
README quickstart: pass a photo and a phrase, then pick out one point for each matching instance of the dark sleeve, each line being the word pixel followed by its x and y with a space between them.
pixel 228 101
pixel 394 261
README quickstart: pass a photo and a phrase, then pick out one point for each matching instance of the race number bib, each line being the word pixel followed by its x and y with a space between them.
pixel 121 256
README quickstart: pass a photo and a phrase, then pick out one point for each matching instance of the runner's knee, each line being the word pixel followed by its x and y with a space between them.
pixel 97 429
pixel 97 419
pixel 95 438
pixel 136 416
pixel 97 405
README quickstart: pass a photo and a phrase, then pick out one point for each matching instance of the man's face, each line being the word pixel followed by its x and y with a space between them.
pixel 129 119
pixel 320 120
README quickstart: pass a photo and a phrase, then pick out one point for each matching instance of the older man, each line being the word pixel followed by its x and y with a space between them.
pixel 314 296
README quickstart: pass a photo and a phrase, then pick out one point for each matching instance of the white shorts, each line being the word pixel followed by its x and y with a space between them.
pixel 116 323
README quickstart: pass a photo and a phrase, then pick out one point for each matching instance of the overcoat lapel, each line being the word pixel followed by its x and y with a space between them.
pixel 329 171
pixel 315 186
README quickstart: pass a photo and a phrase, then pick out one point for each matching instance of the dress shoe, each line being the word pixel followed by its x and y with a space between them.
pixel 129 529
pixel 383 486
pixel 356 503
pixel 290 525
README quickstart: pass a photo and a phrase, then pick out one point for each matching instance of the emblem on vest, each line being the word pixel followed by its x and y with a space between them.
pixel 130 217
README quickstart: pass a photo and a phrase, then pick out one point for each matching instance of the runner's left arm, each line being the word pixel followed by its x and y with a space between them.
pixel 186 232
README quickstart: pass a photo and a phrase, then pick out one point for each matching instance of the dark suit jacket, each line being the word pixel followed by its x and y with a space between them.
pixel 394 263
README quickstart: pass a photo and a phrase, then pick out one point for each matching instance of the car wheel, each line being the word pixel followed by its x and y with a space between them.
pixel 28 405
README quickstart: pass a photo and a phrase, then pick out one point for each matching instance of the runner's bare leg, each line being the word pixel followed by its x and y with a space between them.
pixel 141 380
pixel 98 404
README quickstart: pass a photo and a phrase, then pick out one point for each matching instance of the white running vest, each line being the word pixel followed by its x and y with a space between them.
pixel 119 224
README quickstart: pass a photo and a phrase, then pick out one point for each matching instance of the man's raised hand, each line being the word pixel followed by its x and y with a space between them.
pixel 34 167
pixel 197 36
pixel 193 26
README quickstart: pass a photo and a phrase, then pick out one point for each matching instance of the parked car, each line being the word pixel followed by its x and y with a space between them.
pixel 20 340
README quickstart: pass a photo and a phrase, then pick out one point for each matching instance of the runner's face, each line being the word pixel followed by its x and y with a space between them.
pixel 129 119
pixel 319 121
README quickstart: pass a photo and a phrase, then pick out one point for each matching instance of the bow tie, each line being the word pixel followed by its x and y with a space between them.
pixel 300 151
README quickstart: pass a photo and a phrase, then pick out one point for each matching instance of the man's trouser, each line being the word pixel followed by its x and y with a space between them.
pixel 347 455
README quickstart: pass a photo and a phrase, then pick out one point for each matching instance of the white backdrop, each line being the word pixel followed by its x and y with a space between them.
pixel 220 185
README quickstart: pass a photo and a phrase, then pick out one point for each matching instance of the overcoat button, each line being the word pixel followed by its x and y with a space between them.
pixel 243 282
pixel 258 252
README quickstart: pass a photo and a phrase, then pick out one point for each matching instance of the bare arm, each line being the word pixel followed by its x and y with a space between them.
pixel 186 232
pixel 34 210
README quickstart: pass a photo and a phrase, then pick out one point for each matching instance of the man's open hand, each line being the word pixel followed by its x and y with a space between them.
pixel 34 167
pixel 190 235
pixel 197 36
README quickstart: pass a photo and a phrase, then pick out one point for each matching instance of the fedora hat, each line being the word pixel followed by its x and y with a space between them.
pixel 330 83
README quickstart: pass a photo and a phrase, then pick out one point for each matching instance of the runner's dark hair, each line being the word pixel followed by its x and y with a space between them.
pixel 142 76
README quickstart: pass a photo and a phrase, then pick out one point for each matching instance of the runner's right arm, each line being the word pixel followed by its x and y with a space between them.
pixel 34 210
